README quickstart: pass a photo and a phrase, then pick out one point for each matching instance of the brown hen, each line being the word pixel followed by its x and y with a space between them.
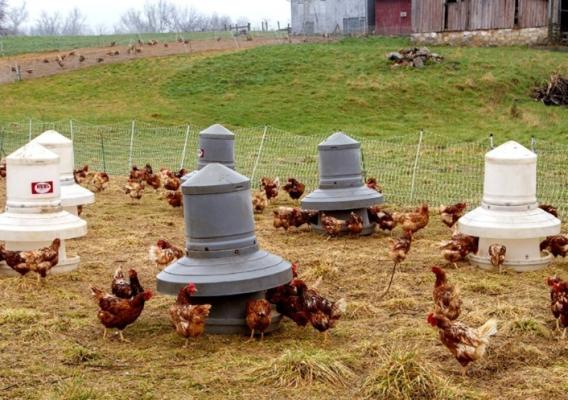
pixel 446 296
pixel 258 316
pixel 451 214
pixel 188 319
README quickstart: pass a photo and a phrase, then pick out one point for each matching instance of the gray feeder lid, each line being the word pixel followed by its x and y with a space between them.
pixel 218 132
pixel 339 140
pixel 223 258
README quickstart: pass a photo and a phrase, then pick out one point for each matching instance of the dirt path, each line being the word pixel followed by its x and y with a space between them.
pixel 38 65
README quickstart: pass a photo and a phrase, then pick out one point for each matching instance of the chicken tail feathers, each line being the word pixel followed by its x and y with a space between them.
pixel 97 293
pixel 488 329
pixel 340 306
pixel 153 253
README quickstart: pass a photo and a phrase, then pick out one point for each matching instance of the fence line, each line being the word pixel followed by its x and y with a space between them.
pixel 411 168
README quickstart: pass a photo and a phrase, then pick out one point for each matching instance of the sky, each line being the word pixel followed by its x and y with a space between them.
pixel 108 12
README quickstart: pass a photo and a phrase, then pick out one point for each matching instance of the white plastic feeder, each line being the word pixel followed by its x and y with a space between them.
pixel 509 212
pixel 72 195
pixel 34 215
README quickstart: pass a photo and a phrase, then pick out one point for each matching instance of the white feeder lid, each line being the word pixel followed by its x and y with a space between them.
pixel 32 154
pixel 511 152
pixel 497 223
pixel 76 195
pixel 40 227
pixel 53 139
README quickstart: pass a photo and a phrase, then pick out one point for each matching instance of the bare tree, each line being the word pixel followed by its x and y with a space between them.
pixel 188 20
pixel 15 17
pixel 47 24
pixel 74 23
pixel 3 9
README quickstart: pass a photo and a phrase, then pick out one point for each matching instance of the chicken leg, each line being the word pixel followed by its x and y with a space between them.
pixel 104 333
pixel 464 371
pixel 251 335
pixel 122 339
pixel 186 344
pixel 563 334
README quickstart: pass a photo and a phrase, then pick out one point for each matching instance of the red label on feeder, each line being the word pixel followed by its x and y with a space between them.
pixel 42 187
pixel 201 153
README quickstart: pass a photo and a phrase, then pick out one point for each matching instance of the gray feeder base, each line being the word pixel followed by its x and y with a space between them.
pixel 368 227
pixel 228 314
pixel 517 266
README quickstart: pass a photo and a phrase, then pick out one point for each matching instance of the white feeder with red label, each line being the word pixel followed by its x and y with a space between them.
pixel 34 215
pixel 509 213
pixel 72 194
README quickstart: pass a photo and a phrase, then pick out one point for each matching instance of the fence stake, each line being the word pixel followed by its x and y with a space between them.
pixel 258 156
pixel 131 145
pixel 491 141
pixel 2 48
pixel 103 151
pixel 30 130
pixel 533 144
pixel 71 129
pixel 184 148
pixel 415 168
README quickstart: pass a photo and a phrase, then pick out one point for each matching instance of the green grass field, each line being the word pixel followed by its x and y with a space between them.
pixel 310 88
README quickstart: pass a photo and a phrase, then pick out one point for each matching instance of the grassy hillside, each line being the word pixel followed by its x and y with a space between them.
pixel 310 88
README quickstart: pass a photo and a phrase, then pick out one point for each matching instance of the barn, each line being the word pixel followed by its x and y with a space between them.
pixel 490 21
pixel 311 17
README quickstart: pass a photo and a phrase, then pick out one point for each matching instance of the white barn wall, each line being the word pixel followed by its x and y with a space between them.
pixel 326 15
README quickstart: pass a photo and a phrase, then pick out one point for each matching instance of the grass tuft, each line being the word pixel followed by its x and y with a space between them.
pixel 305 367
pixel 19 316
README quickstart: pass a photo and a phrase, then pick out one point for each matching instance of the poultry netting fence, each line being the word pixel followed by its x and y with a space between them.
pixel 411 168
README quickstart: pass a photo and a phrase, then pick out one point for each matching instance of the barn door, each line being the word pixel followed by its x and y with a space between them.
pixel 564 20
pixel 393 17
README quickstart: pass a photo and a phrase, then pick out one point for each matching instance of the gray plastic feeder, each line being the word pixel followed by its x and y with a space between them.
pixel 223 257
pixel 216 145
pixel 341 189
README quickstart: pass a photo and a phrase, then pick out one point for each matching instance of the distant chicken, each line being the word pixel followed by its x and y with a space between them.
pixel 354 224
pixel 559 302
pixel 81 175
pixel 258 316
pixel 153 180
pixel 333 226
pixel 557 245
pixel 288 302
pixel 497 254
pixel 100 59
pixel 189 319
pixel 398 250
pixel 82 58
pixel 382 218
pixel 286 217
pixel 413 221
pixel 270 187
pixel 465 343
pixel 446 296
pixel 457 249
pixel 137 174
pixel 180 173
pixel 172 183
pixel 117 313
pixel 294 188
pixel 3 168
pixel 322 313
pixel 134 189
pixel 373 184
pixel 40 261
pixel 259 202
pixel 451 214
pixel 100 181
pixel 175 199
pixel 125 289
pixel 164 253
pixel 549 209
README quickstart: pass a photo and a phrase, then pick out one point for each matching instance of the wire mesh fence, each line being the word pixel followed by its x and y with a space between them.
pixel 411 168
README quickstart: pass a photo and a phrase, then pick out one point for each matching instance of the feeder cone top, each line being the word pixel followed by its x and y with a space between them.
pixel 338 140
pixel 32 153
pixel 52 138
pixel 511 152
pixel 215 178
pixel 217 131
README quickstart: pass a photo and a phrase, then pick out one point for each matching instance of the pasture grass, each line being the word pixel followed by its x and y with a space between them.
pixel 312 88
pixel 51 344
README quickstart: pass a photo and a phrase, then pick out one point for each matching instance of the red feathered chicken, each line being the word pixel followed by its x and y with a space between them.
pixel 137 174
pixel 294 188
pixel 451 214
pixel 382 218
pixel 549 209
pixel 172 183
pixel 559 302
pixel 164 253
pixel 270 187
pixel 286 217
pixel 3 168
pixel 373 184
pixel 175 199
pixel 398 250
pixel 117 313
pixel 124 289
pixel 258 316
pixel 447 301
pixel 81 175
pixel 557 245
pixel 287 301
pixel 188 319
pixel 497 254
pixel 154 181
pixel 459 247
pixel 40 261
pixel 259 202
pixel 354 224
pixel 413 221
pixel 333 226
pixel 465 343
